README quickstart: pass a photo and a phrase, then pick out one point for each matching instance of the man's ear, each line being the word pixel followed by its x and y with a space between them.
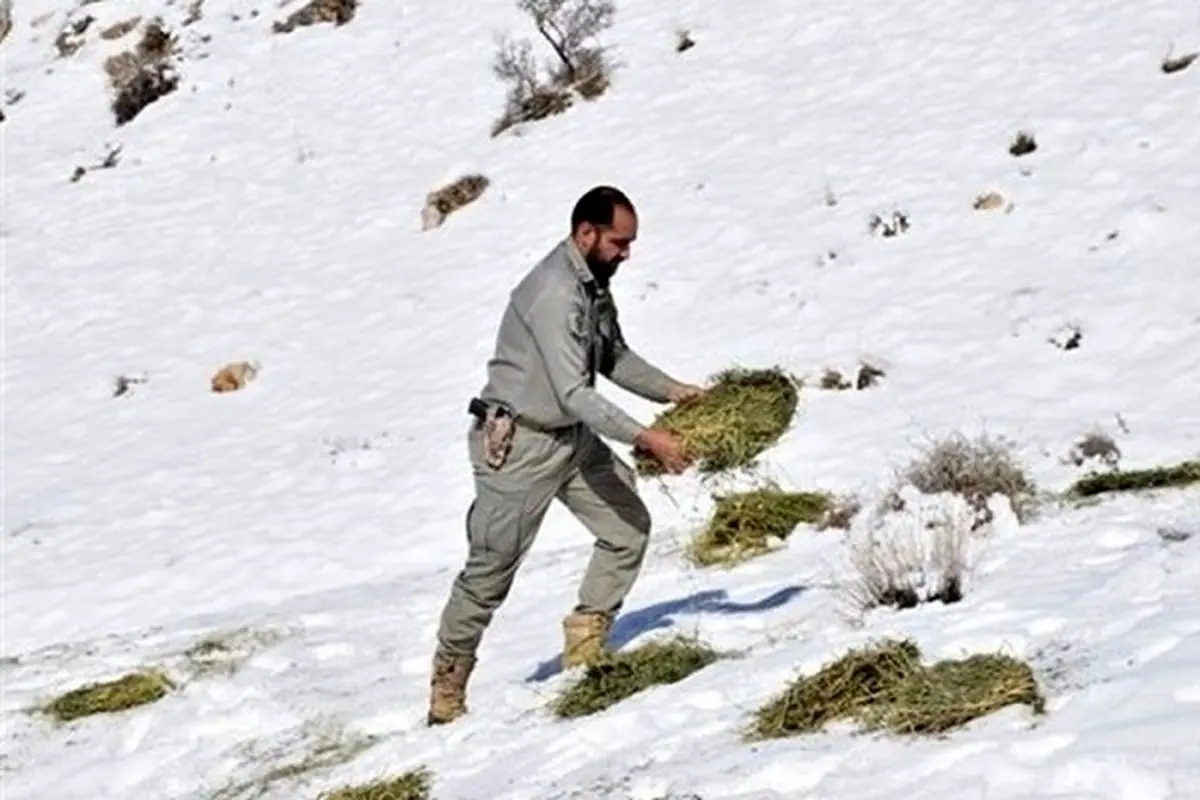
pixel 586 236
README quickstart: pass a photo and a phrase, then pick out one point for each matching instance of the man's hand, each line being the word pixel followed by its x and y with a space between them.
pixel 685 391
pixel 666 447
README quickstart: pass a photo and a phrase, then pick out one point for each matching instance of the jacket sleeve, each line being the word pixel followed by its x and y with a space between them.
pixel 556 324
pixel 633 373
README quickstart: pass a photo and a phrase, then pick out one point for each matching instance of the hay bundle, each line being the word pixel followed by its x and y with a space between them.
pixel 412 785
pixel 106 697
pixel 741 415
pixel 885 687
pixel 746 524
pixel 625 674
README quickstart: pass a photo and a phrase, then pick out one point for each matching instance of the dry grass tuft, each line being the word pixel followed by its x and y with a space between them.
pixel 1175 476
pixel 445 200
pixel 1095 445
pixel 976 469
pixel 412 785
pixel 1022 145
pixel 743 413
pixel 107 697
pixel 316 12
pixel 884 686
pixel 625 674
pixel 749 524
pixel 119 29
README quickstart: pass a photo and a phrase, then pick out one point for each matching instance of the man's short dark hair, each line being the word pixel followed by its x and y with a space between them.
pixel 597 206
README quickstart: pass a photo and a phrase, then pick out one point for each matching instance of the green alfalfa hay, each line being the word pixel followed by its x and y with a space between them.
pixel 884 686
pixel 744 524
pixel 626 673
pixel 107 697
pixel 1174 476
pixel 742 414
pixel 413 785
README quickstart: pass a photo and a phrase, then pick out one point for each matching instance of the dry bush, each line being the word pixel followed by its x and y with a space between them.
pixel 1095 446
pixel 72 36
pixel 748 524
pixel 1172 64
pixel 445 200
pixel 624 674
pixel 335 12
pixel 884 686
pixel 743 412
pixel 140 76
pixel 415 784
pixel 119 29
pixel 108 697
pixel 5 19
pixel 234 376
pixel 1023 144
pixel 921 552
pixel 580 67
pixel 977 469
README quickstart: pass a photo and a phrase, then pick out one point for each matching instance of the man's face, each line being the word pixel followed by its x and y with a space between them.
pixel 608 245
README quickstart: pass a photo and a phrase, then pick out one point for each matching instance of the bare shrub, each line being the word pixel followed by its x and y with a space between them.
pixel 920 553
pixel 1095 446
pixel 841 513
pixel 336 12
pixel 445 200
pixel 580 67
pixel 1022 145
pixel 683 41
pixel 976 469
pixel 144 74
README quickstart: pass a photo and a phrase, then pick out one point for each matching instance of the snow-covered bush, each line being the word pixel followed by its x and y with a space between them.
pixel 919 551
pixel 537 91
pixel 976 469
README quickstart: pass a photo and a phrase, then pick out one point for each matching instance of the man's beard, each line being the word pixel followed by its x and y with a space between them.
pixel 601 270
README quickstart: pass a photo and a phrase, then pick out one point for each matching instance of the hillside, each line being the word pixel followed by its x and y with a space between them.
pixel 269 209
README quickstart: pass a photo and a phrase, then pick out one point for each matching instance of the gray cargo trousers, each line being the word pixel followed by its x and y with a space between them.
pixel 574 466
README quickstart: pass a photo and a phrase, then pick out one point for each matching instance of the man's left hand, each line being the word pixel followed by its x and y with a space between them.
pixel 686 391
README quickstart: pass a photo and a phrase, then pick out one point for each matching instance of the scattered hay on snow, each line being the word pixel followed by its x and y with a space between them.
pixel 107 697
pixel 743 413
pixel 412 785
pixel 748 524
pixel 884 686
pixel 1134 480
pixel 625 673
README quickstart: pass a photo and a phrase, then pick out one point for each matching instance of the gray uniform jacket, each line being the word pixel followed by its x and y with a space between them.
pixel 558 332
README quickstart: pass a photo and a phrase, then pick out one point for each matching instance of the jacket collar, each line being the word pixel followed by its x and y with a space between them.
pixel 578 262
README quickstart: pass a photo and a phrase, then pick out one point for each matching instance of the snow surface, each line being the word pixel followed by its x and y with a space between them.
pixel 270 209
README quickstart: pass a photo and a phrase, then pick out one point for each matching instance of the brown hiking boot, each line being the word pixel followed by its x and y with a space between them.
pixel 585 636
pixel 448 688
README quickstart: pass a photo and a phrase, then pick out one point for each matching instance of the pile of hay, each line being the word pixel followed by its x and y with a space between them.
pixel 1134 480
pixel 412 785
pixel 624 674
pixel 743 413
pixel 747 524
pixel 885 687
pixel 105 697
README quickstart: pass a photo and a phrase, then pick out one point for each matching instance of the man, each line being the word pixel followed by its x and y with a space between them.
pixel 536 438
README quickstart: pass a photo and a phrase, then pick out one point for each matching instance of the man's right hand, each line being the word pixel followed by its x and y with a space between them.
pixel 666 447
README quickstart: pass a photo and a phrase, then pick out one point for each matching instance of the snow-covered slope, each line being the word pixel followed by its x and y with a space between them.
pixel 269 209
